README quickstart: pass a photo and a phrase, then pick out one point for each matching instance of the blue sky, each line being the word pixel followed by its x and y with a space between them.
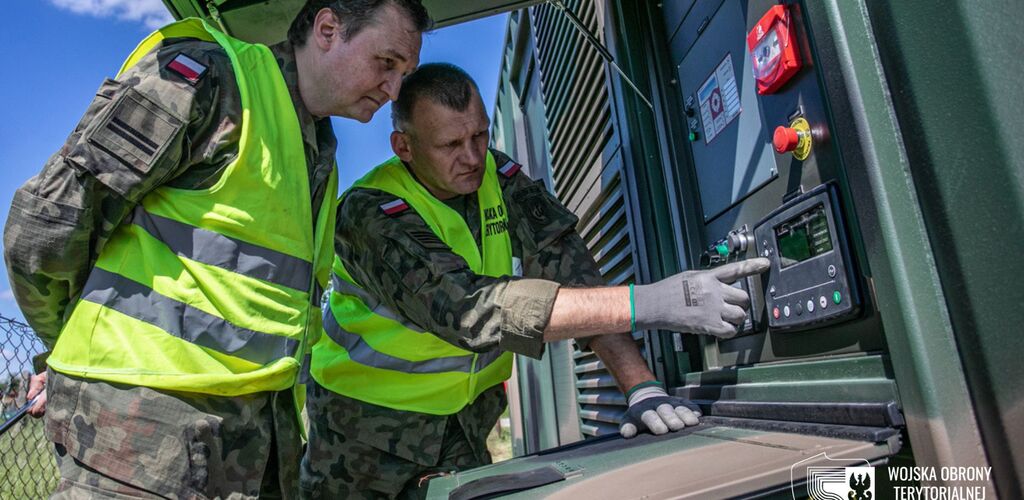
pixel 59 51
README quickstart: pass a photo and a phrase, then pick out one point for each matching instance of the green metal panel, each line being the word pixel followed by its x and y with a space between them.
pixel 181 9
pixel 955 76
pixel 704 462
pixel 859 379
pixel 267 21
pixel 536 385
pixel 940 418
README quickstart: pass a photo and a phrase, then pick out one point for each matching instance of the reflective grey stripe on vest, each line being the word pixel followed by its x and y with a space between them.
pixel 375 306
pixel 360 352
pixel 208 247
pixel 486 358
pixel 182 320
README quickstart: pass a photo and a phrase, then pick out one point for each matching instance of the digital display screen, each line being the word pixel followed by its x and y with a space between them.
pixel 803 237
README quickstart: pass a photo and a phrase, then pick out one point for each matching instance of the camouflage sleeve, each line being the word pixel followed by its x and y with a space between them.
pixel 402 262
pixel 135 136
pixel 552 248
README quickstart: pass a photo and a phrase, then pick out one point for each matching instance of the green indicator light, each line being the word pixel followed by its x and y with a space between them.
pixel 693 136
pixel 837 297
pixel 722 249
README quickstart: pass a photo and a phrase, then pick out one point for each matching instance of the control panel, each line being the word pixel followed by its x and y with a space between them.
pixel 762 173
pixel 811 280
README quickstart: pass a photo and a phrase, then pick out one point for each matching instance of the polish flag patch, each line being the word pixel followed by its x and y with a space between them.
pixel 189 69
pixel 394 207
pixel 509 168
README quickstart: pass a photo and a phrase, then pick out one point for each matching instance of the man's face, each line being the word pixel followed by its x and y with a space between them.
pixel 446 149
pixel 361 74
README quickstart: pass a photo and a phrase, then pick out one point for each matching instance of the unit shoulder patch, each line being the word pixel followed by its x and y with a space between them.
pixel 534 203
pixel 394 207
pixel 186 67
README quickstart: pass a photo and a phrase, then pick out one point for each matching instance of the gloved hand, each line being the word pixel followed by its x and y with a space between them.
pixel 697 301
pixel 651 408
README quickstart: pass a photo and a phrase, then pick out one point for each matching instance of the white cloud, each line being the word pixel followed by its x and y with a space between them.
pixel 6 295
pixel 151 13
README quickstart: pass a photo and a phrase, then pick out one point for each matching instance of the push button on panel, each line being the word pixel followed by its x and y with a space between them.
pixel 785 139
pixel 810 306
pixel 837 297
pixel 796 138
pixel 799 309
pixel 775 313
pixel 822 302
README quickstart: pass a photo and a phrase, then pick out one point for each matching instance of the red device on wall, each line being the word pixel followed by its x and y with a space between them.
pixel 773 48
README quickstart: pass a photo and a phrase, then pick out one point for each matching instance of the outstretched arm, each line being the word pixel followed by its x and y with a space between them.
pixel 692 302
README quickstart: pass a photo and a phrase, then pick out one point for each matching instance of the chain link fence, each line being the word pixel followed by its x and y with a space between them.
pixel 28 467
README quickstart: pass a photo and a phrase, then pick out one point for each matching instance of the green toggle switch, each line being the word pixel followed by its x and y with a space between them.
pixel 722 249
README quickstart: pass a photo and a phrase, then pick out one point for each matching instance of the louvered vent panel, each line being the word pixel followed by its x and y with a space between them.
pixel 586 168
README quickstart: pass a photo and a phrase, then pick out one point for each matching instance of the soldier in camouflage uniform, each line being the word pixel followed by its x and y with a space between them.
pixel 357 449
pixel 119 441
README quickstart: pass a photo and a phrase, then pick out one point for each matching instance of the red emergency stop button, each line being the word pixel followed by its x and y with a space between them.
pixel 785 139
pixel 796 138
pixel 775 313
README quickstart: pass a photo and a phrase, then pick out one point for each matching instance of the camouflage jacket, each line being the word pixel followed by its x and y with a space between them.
pixel 60 219
pixel 400 260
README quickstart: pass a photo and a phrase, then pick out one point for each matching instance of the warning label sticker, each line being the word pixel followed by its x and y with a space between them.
pixel 719 100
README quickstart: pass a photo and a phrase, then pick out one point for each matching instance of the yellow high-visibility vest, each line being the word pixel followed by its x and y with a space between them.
pixel 371 354
pixel 215 290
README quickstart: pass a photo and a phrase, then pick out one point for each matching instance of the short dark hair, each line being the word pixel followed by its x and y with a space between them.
pixel 354 15
pixel 442 83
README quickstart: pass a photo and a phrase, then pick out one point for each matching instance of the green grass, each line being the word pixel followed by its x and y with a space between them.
pixel 27 467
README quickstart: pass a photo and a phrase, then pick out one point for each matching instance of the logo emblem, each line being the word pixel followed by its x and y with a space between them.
pixel 862 483
pixel 830 479
pixel 537 213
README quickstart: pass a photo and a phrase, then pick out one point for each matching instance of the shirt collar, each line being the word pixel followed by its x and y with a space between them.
pixel 284 53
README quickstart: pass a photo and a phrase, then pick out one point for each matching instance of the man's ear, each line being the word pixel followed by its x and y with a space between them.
pixel 326 29
pixel 400 145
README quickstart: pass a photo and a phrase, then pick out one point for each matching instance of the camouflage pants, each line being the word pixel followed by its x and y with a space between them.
pixel 117 441
pixel 343 460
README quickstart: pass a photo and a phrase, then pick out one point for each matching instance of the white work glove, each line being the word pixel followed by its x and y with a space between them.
pixel 652 409
pixel 697 301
